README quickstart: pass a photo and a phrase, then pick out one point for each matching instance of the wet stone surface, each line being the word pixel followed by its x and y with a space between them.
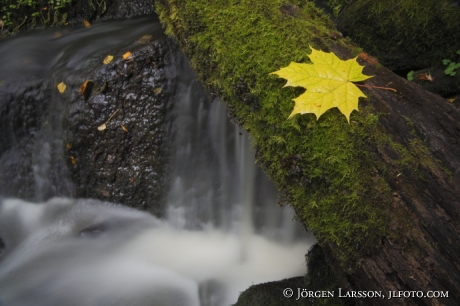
pixel 22 115
pixel 125 162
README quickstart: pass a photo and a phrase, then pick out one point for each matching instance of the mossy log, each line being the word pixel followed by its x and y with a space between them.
pixel 382 193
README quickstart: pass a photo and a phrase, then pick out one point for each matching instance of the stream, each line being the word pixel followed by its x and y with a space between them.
pixel 219 229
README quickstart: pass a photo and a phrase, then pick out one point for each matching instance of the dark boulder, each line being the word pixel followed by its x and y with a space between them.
pixel 124 160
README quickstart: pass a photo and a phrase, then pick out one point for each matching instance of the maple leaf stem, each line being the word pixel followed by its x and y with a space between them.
pixel 379 87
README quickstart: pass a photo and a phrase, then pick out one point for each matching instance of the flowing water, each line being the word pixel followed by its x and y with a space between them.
pixel 221 232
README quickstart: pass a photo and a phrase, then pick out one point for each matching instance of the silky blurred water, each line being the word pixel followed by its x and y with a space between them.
pixel 222 230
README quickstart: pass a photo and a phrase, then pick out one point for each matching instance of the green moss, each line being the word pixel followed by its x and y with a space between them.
pixel 413 157
pixel 18 14
pixel 325 166
pixel 404 35
pixel 337 6
pixel 26 14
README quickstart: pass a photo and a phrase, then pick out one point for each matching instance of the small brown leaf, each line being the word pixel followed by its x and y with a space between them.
pixel 145 39
pixel 451 100
pixel 127 55
pixel 85 88
pixel 68 146
pixel 426 77
pixel 157 90
pixel 107 59
pixel 73 160
pixel 104 193
pixel 369 59
pixel 104 87
pixel 61 87
pixel 86 23
pixel 124 128
pixel 102 127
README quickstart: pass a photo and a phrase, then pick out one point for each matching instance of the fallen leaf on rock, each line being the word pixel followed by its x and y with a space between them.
pixel 107 59
pixel 451 100
pixel 127 55
pixel 61 87
pixel 104 126
pixel 157 90
pixel 104 193
pixel 68 146
pixel 86 23
pixel 426 77
pixel 124 128
pixel 73 160
pixel 145 39
pixel 104 88
pixel 85 88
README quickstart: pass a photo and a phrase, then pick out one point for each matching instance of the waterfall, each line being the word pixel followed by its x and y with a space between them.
pixel 221 231
pixel 215 183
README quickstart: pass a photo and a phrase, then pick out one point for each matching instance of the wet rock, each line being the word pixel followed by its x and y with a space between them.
pixel 125 162
pixel 51 145
pixel 443 84
pixel 16 143
pixel 271 294
pixel 319 287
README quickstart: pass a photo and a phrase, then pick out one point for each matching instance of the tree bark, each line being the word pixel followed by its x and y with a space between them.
pixel 429 259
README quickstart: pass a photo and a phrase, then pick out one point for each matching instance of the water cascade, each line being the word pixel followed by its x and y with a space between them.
pixel 221 230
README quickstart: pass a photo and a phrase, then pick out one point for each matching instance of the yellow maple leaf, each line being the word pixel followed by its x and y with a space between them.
pixel 328 83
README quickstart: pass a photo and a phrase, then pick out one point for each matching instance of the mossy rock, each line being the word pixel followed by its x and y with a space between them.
pixel 19 15
pixel 404 34
pixel 322 280
pixel 272 294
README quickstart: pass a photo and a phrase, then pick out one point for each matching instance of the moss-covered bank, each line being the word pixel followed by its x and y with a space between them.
pixel 404 34
pixel 325 167
pixel 18 15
